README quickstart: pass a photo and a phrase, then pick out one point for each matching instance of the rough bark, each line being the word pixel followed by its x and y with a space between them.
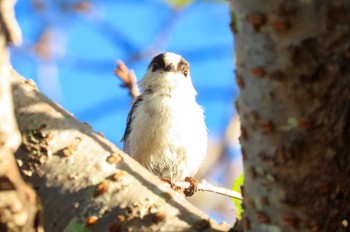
pixel 19 209
pixel 293 71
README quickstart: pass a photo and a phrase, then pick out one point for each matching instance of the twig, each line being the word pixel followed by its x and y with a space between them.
pixel 203 185
pixel 128 77
pixel 8 22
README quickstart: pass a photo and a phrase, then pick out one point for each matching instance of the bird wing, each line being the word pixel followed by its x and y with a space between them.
pixel 130 118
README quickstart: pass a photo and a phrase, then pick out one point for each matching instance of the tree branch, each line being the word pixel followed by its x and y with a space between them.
pixel 128 78
pixel 204 186
pixel 8 22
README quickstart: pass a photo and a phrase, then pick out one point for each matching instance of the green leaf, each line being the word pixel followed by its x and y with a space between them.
pixel 291 124
pixel 234 22
pixel 179 3
pixel 75 226
pixel 237 187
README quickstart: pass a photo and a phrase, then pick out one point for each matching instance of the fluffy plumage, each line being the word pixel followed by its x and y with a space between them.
pixel 165 130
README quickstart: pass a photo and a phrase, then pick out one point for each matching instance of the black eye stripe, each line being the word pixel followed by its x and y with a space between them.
pixel 157 62
pixel 155 66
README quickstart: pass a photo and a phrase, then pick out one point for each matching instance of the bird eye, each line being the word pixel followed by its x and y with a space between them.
pixel 155 67
pixel 186 72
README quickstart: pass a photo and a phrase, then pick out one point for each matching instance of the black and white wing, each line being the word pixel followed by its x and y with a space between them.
pixel 129 120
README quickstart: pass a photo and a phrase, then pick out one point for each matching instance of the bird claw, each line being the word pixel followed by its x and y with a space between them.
pixel 171 185
pixel 192 188
pixel 167 181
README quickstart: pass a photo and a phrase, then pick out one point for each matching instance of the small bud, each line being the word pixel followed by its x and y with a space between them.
pixel 115 158
pixel 118 176
pixel 257 72
pixel 31 83
pixel 262 218
pixel 289 220
pixel 91 220
pixel 240 83
pixel 281 26
pixel 102 188
pixel 323 188
pixel 233 27
pixel 304 123
pixel 250 204
pixel 246 224
pixel 159 216
pixel 267 126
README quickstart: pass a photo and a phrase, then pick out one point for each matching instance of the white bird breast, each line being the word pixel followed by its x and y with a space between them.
pixel 168 134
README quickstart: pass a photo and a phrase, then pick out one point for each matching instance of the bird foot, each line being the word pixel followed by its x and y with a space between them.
pixel 171 185
pixel 192 188
pixel 167 181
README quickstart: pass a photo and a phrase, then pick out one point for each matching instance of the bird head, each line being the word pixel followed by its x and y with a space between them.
pixel 168 72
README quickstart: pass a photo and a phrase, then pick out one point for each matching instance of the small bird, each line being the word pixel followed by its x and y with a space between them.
pixel 165 129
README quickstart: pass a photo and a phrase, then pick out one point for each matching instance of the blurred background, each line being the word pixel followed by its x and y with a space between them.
pixel 70 49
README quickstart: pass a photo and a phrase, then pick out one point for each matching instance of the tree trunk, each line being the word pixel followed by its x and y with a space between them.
pixel 293 71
